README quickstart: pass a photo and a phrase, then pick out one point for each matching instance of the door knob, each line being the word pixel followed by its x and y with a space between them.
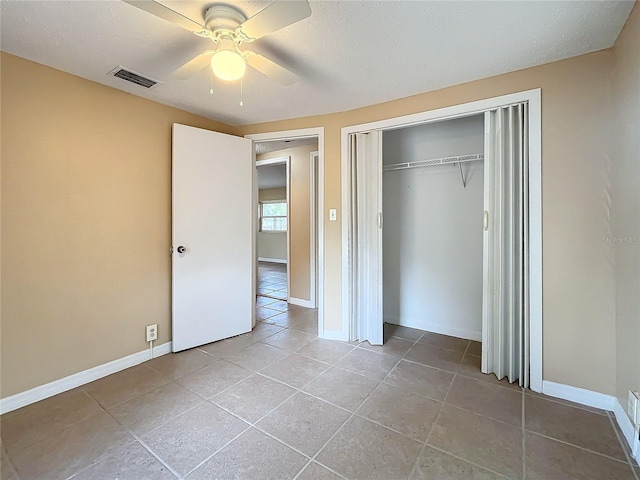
pixel 182 249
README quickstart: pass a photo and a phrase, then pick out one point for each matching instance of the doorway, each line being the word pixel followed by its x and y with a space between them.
pixel 299 153
pixel 364 141
pixel 272 236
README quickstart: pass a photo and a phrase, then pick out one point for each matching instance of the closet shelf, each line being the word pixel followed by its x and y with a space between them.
pixel 432 162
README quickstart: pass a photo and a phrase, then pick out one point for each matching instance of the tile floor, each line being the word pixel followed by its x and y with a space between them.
pixel 279 403
pixel 272 280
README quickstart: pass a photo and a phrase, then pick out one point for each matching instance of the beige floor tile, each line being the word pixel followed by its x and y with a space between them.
pixel 315 471
pixel 213 379
pixel 153 409
pixel 282 319
pixel 566 402
pixel 479 440
pixel 444 341
pixel 72 450
pixel 176 365
pixel 328 351
pixel 303 422
pixel 436 465
pixel 391 330
pixel 264 313
pixel 572 425
pixel 229 346
pixel 125 385
pixel 263 330
pixel 43 419
pixel 421 379
pixel 188 440
pixel 132 462
pixel 264 301
pixel 295 370
pixel 364 450
pixel 254 397
pixel 475 348
pixel 7 470
pixel 289 339
pixel 434 357
pixel 252 456
pixel 345 389
pixel 370 364
pixel 403 411
pixel 470 367
pixel 257 356
pixel 548 459
pixel 487 399
pixel 305 326
pixel 392 346
pixel 279 305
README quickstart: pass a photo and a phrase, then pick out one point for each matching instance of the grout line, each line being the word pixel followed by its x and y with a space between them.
pixel 468 461
pixel 302 469
pixel 437 419
pixel 621 440
pixel 251 425
pixel 357 409
pixel 524 436
pixel 577 446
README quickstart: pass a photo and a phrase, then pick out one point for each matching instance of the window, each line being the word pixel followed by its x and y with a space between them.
pixel 273 216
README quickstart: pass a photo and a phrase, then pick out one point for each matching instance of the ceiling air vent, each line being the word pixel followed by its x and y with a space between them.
pixel 133 77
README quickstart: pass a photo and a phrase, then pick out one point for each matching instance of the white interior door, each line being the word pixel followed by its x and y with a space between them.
pixel 213 237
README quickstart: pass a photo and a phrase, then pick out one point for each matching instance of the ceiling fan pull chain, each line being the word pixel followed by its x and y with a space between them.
pixel 241 102
pixel 210 82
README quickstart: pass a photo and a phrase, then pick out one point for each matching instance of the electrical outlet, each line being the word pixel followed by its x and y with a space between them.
pixel 633 408
pixel 152 332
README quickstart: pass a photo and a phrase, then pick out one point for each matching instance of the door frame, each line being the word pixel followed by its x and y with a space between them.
pixel 286 160
pixel 317 132
pixel 313 215
pixel 533 97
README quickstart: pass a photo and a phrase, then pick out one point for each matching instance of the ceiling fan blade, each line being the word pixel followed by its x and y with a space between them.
pixel 271 69
pixel 193 66
pixel 276 16
pixel 159 10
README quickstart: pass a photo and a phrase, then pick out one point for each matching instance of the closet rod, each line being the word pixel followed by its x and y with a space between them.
pixel 436 161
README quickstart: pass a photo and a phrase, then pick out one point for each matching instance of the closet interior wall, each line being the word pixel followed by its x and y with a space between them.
pixel 432 235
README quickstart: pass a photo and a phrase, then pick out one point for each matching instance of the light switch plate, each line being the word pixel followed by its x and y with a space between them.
pixel 333 214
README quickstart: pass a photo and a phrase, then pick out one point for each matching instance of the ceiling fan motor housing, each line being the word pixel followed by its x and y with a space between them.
pixel 223 17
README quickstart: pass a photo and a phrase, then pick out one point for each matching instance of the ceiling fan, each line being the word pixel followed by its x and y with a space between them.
pixel 229 28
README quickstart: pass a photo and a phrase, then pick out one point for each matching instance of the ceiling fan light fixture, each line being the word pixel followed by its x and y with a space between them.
pixel 228 65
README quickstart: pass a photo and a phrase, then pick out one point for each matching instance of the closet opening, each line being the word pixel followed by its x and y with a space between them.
pixel 432 207
pixel 442 234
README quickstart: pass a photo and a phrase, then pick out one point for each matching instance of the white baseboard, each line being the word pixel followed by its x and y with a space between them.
pixel 301 303
pixel 578 395
pixel 334 335
pixel 436 328
pixel 597 400
pixel 630 434
pixel 50 389
pixel 272 260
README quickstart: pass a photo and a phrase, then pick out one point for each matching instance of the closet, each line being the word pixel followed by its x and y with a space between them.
pixel 432 240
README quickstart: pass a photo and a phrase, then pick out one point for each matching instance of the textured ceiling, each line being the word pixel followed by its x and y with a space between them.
pixel 348 54
pixel 275 145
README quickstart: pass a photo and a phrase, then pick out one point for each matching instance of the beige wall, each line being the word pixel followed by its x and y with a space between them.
pixel 272 244
pixel 299 217
pixel 86 224
pixel 625 160
pixel 578 286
